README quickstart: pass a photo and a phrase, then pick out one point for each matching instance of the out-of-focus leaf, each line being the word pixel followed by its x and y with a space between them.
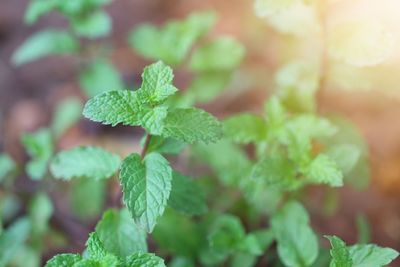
pixel 45 43
pixel 82 206
pixel 297 243
pixel 361 43
pixel 99 77
pixel 37 9
pixel 165 145
pixel 7 165
pixel 67 113
pixel 12 239
pixel 222 54
pixel 363 229
pixel 245 128
pixel 186 195
pixel 172 42
pixel 95 25
pixel 40 211
pixel 119 234
pixel 39 146
pixel 324 170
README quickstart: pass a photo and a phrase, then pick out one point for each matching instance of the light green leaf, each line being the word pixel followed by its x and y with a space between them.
pixel 94 25
pixel 74 8
pixel 361 43
pixel 119 234
pixel 144 259
pixel 114 107
pixel 186 195
pixel 37 9
pixel 297 243
pixel 67 113
pixel 12 239
pixel 45 43
pixel 371 255
pixel 153 120
pixel 146 186
pixel 172 42
pixel 339 252
pixel 324 170
pixel 245 128
pixel 7 165
pixel 192 125
pixel 95 247
pixel 39 146
pixel 346 156
pixel 222 54
pixel 165 145
pixel 40 211
pixel 157 83
pixel 275 113
pixel 100 76
pixel 278 172
pixel 91 162
pixel 64 260
pixel 83 207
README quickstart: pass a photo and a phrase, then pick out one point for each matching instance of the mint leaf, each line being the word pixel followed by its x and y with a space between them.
pixel 114 107
pixel 245 128
pixel 144 259
pixel 100 76
pixel 37 9
pixel 119 234
pixel 64 260
pixel 157 83
pixel 278 172
pixel 339 252
pixel 213 55
pixel 44 43
pixel 172 42
pixel 192 125
pixel 40 211
pixel 83 207
pixel 91 162
pixel 146 186
pixel 39 146
pixel 94 25
pixel 7 165
pixel 12 239
pixel 67 113
pixel 297 243
pixel 153 120
pixel 346 156
pixel 371 255
pixel 95 247
pixel 324 170
pixel 165 145
pixel 186 195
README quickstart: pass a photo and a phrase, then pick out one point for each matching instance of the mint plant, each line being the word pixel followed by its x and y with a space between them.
pixel 87 23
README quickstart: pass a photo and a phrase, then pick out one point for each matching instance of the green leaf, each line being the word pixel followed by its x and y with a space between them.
pixel 114 107
pixel 157 83
pixel 98 77
pixel 324 170
pixel 297 243
pixel 172 42
pixel 192 125
pixel 339 252
pixel 40 211
pixel 146 186
pixel 91 162
pixel 7 165
pixel 278 172
pixel 346 156
pixel 95 247
pixel 165 145
pixel 153 120
pixel 64 260
pixel 75 8
pixel 67 113
pixel 245 128
pixel 94 25
pixel 119 234
pixel 37 9
pixel 12 239
pixel 83 207
pixel 144 259
pixel 186 195
pixel 222 54
pixel 371 255
pixel 39 146
pixel 45 43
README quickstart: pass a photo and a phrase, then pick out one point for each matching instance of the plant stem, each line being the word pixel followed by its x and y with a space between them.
pixel 146 146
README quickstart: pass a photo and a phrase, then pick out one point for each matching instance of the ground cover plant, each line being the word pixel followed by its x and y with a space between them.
pixel 239 196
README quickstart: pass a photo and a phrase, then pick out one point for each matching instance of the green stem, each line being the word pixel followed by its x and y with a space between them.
pixel 146 146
